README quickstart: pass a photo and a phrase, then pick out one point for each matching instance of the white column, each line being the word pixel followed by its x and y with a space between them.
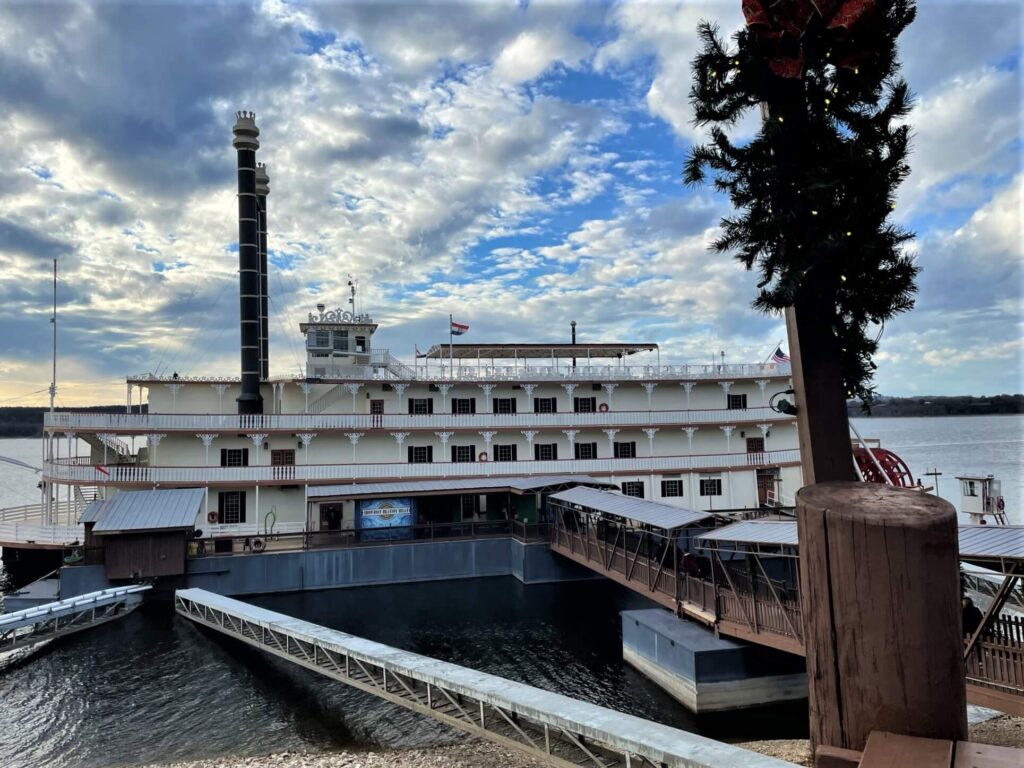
pixel 529 434
pixel 353 438
pixel 650 432
pixel 649 389
pixel 306 388
pixel 571 434
pixel 611 433
pixel 488 436
pixel 175 387
pixel 764 433
pixel 761 384
pixel 444 437
pixel 257 441
pixel 528 389
pixel 610 390
pixel 728 438
pixel 154 442
pixel 352 389
pixel 487 388
pixel 444 389
pixel 688 386
pixel 569 389
pixel 725 385
pixel 221 389
pixel 689 438
pixel 207 438
pixel 306 438
pixel 400 390
pixel 399 439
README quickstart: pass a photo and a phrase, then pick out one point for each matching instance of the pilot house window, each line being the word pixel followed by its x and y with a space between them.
pixel 234 457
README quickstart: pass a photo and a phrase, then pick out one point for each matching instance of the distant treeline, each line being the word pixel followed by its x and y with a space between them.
pixel 959 405
pixel 28 421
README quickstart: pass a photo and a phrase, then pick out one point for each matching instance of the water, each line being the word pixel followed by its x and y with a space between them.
pixel 153 688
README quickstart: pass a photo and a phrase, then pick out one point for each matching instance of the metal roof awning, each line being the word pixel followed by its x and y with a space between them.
pixel 992 542
pixel 516 485
pixel 652 513
pixel 779 533
pixel 168 509
pixel 534 351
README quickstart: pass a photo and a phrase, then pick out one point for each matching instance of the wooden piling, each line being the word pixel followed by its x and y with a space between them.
pixel 881 609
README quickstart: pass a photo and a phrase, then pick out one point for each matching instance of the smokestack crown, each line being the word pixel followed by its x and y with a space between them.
pixel 262 180
pixel 245 131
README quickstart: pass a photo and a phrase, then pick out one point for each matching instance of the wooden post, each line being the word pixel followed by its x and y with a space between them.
pixel 821 419
pixel 880 594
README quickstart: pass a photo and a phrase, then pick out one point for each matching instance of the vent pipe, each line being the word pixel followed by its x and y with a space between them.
pixel 246 141
pixel 262 190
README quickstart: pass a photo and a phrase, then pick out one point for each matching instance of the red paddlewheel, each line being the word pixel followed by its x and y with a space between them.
pixel 896 470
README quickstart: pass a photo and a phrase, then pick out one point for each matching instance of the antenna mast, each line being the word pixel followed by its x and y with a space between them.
pixel 53 322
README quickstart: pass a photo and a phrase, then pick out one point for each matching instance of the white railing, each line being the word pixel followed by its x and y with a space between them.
pixel 36 533
pixel 251 529
pixel 326 421
pixel 441 371
pixel 29 512
pixel 129 474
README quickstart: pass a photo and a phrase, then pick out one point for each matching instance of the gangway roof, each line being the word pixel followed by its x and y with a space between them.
pixel 527 351
pixel 661 516
pixel 1002 544
pixel 170 508
pixel 516 485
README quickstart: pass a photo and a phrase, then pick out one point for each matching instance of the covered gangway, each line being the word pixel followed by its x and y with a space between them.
pixel 637 542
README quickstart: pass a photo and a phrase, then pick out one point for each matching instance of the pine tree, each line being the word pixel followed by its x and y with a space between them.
pixel 815 188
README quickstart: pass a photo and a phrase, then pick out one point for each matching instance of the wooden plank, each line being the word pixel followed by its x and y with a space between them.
pixel 890 750
pixel 969 755
pixel 1004 701
pixel 834 757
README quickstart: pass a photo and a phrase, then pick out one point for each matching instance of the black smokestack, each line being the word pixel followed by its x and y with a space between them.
pixel 246 141
pixel 262 190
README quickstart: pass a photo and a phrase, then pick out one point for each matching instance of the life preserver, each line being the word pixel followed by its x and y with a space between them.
pixel 603 407
pixel 212 517
pixel 482 456
pixel 1000 504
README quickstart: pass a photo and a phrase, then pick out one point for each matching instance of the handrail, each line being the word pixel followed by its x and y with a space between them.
pixel 130 473
pixel 363 421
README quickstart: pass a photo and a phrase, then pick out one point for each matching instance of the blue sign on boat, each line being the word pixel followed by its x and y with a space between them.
pixel 374 517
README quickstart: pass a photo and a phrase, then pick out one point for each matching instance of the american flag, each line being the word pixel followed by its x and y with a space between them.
pixel 779 356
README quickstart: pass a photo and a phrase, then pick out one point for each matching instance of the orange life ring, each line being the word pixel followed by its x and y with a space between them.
pixel 211 517
pixel 603 407
pixel 1000 505
pixel 482 456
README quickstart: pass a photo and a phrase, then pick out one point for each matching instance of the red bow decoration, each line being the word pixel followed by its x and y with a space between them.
pixel 782 25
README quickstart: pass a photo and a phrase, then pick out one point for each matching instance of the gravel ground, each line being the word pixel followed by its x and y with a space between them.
pixel 1002 731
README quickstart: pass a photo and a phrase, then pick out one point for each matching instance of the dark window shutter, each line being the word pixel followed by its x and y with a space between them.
pixel 453 454
pixel 494 405
pixel 410 454
pixel 223 458
pixel 512 402
pixel 430 405
pixel 554 451
pixel 410 406
pixel 245 459
pixel 472 405
pixel 430 453
pixel 241 506
pixel 514 451
pixel 536 452
pixel 220 504
pixel 472 453
pixel 536 407
pixel 554 404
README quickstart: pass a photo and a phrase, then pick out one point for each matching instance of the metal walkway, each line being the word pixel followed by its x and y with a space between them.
pixel 21 629
pixel 554 728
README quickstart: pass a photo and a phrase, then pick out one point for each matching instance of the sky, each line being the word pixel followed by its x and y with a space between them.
pixel 515 164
